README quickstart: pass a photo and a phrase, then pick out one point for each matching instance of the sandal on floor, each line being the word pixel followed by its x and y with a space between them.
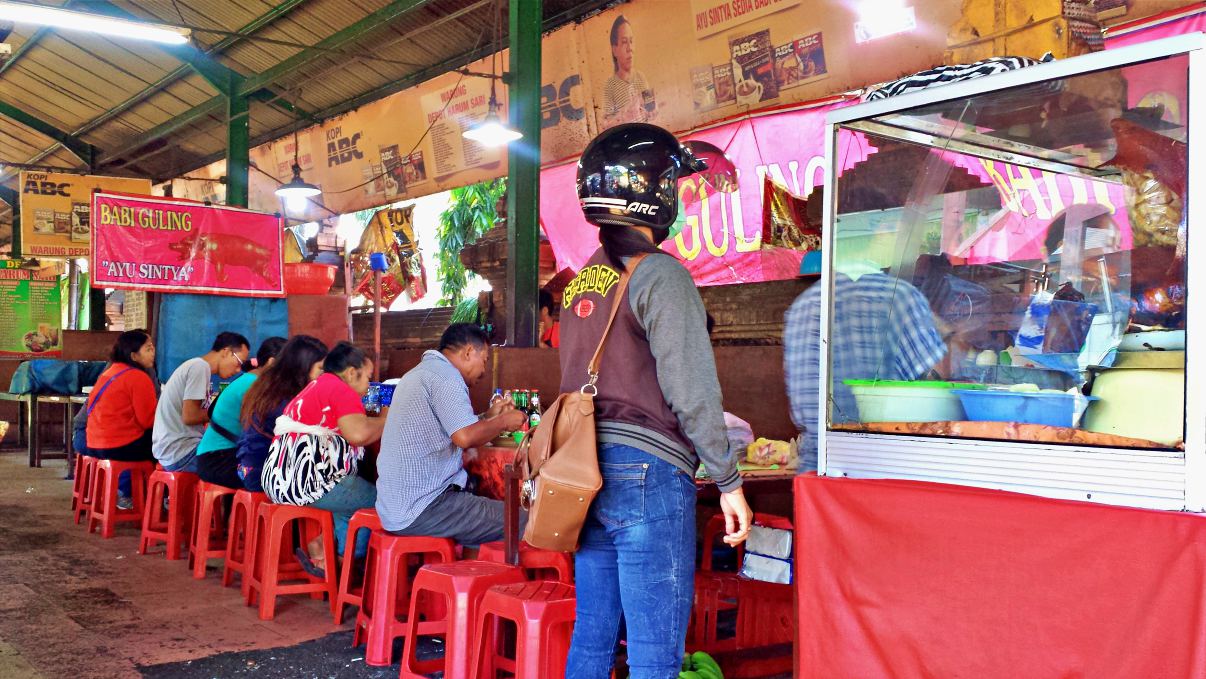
pixel 307 564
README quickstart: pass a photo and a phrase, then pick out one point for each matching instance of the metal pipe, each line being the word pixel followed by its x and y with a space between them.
pixel 376 326
pixel 73 294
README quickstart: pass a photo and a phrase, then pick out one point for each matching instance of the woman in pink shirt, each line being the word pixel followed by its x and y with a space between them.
pixel 318 446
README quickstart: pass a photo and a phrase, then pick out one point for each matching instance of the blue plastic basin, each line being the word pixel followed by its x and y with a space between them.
pixel 1055 410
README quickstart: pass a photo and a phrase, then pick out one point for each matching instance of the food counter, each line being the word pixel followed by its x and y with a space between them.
pixel 1014 313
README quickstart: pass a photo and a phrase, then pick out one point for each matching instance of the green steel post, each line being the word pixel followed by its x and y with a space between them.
pixel 238 150
pixel 523 175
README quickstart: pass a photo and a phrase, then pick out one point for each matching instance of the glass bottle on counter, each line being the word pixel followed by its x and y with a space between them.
pixel 534 414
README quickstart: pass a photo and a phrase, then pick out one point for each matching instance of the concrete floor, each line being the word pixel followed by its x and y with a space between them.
pixel 74 605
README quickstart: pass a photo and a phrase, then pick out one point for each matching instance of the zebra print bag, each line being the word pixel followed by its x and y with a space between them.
pixel 943 75
pixel 304 463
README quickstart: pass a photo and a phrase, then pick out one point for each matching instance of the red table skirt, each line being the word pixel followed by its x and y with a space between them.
pixel 911 579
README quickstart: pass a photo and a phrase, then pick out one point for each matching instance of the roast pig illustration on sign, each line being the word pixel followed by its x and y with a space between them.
pixel 222 250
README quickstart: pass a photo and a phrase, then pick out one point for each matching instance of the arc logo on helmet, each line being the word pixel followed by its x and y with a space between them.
pixel 618 203
pixel 642 208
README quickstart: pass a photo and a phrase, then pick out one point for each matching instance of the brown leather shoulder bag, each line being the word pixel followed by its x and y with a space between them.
pixel 558 460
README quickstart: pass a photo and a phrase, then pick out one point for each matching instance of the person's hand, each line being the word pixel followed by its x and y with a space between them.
pixel 499 406
pixel 737 517
pixel 513 419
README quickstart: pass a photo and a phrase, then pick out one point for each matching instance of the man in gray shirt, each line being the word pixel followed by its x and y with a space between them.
pixel 180 416
pixel 420 473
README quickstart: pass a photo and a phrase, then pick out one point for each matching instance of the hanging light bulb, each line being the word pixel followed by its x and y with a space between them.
pixel 492 131
pixel 297 188
pixel 296 192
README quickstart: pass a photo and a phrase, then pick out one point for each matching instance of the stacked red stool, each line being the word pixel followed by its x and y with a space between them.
pixel 104 512
pixel 81 487
pixel 273 566
pixel 540 564
pixel 351 590
pixel 209 526
pixel 240 538
pixel 387 590
pixel 763 610
pixel 543 613
pixel 173 530
pixel 458 588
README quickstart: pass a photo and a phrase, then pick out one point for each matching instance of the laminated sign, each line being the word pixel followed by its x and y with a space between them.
pixel 31 312
pixel 55 210
pixel 142 243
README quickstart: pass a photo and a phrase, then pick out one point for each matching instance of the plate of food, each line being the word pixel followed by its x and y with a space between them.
pixel 37 342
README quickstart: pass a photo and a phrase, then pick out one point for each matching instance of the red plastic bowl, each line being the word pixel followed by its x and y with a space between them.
pixel 304 278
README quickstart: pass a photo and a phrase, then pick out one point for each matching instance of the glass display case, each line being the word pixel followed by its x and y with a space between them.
pixel 1007 281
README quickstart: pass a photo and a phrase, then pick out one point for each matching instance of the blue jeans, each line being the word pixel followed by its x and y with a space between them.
pixel 188 463
pixel 637 558
pixel 342 501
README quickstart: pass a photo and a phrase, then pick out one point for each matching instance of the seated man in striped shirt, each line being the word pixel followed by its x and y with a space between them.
pixel 421 476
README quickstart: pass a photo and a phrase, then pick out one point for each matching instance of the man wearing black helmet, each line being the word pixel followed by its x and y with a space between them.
pixel 658 408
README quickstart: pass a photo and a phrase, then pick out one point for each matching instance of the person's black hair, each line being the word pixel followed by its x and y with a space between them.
pixel 287 376
pixel 343 356
pixel 615 38
pixel 459 334
pixel 128 343
pixel 546 301
pixel 621 241
pixel 269 348
pixel 229 340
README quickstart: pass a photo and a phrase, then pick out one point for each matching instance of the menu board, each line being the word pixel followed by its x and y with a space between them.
pixel 31 312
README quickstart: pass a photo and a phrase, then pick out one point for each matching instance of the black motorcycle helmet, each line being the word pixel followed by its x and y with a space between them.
pixel 629 175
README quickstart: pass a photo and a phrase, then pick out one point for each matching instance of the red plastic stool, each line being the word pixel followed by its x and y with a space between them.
pixel 274 566
pixel 543 613
pixel 240 538
pixel 763 613
pixel 81 487
pixel 387 588
pixel 715 593
pixel 715 530
pixel 209 525
pixel 541 564
pixel 351 591
pixel 173 531
pixel 460 587
pixel 104 511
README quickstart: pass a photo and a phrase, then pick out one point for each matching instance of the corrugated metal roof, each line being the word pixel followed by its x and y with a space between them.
pixel 111 93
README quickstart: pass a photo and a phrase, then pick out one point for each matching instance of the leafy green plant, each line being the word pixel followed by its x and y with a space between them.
pixel 465 311
pixel 470 214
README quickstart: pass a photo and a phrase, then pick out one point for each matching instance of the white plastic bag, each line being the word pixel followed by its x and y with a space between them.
pixel 740 434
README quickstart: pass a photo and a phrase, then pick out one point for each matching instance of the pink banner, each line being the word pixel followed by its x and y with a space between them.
pixel 144 243
pixel 721 242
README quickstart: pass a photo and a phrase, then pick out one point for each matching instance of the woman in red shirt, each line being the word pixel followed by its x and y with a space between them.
pixel 318 446
pixel 121 407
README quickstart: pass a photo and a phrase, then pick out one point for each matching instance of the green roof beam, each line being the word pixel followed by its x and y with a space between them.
pixel 82 149
pixel 335 41
pixel 251 27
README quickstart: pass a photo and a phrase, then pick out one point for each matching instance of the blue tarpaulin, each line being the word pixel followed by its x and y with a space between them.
pixel 188 325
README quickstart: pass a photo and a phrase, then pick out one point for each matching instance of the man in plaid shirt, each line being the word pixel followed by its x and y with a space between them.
pixel 882 328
